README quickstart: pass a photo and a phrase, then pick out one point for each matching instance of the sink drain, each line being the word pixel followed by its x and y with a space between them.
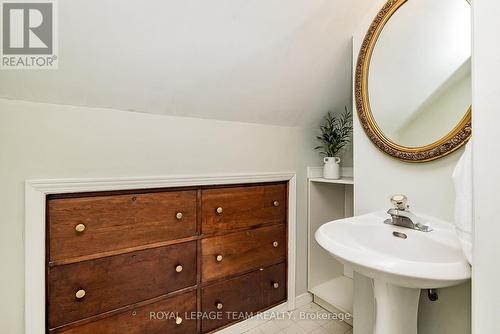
pixel 399 235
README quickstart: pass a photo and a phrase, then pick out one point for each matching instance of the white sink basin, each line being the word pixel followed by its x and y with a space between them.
pixel 423 260
pixel 399 266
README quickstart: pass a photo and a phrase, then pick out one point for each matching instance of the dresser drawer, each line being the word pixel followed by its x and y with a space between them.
pixel 81 290
pixel 246 294
pixel 239 252
pixel 156 318
pixel 229 208
pixel 89 225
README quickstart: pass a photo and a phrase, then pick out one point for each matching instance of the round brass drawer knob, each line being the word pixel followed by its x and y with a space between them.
pixel 178 215
pixel 219 306
pixel 219 258
pixel 80 228
pixel 178 320
pixel 275 244
pixel 219 210
pixel 276 285
pixel 80 294
pixel 178 268
pixel 276 203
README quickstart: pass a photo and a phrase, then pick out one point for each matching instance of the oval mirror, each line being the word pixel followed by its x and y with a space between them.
pixel 413 78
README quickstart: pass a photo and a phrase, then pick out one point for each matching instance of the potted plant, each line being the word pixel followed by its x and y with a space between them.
pixel 335 135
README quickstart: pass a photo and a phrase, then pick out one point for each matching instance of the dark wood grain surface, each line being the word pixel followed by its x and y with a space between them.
pixel 242 251
pixel 248 293
pixel 155 318
pixel 125 259
pixel 116 281
pixel 242 207
pixel 118 221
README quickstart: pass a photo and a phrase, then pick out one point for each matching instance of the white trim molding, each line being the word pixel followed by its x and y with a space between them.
pixel 34 233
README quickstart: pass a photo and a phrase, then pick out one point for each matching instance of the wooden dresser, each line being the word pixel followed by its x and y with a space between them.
pixel 184 260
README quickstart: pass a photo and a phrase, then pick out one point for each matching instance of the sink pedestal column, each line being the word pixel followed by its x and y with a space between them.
pixel 396 308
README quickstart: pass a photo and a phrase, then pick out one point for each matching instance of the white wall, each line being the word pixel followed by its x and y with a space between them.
pixel 55 141
pixel 429 188
pixel 486 117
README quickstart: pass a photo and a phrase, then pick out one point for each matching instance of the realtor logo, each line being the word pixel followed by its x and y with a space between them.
pixel 28 35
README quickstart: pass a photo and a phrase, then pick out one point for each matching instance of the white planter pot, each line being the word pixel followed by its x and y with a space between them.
pixel 331 169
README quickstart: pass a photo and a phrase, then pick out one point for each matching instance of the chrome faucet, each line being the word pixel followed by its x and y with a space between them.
pixel 402 216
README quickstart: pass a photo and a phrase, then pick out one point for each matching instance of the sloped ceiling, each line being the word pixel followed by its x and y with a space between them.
pixel 263 61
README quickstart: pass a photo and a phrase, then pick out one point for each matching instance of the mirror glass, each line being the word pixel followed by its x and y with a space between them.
pixel 419 80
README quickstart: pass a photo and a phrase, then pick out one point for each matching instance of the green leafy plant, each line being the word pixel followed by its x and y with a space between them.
pixel 335 133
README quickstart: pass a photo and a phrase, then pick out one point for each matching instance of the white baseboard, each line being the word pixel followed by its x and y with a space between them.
pixel 256 321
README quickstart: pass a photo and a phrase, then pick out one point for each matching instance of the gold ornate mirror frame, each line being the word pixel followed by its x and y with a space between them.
pixel 446 145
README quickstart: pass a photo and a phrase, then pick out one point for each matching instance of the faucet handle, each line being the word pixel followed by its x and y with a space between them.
pixel 400 201
pixel 423 227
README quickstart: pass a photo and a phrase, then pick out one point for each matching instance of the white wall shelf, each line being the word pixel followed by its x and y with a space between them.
pixel 342 180
pixel 328 280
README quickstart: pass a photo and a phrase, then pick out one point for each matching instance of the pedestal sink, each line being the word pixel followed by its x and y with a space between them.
pixel 400 261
